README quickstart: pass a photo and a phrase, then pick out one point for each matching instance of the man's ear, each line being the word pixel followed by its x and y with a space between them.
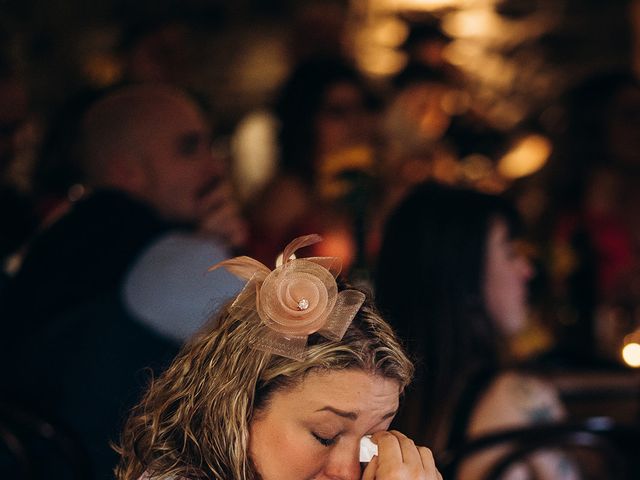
pixel 129 173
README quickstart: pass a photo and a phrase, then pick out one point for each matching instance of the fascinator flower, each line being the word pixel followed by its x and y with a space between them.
pixel 296 299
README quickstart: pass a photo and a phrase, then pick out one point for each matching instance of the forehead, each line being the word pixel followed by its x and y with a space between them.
pixel 175 112
pixel 349 390
pixel 145 115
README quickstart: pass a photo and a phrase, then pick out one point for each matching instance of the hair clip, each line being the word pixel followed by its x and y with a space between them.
pixel 296 299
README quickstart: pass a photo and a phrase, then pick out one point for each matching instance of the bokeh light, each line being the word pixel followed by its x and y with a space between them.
pixel 631 354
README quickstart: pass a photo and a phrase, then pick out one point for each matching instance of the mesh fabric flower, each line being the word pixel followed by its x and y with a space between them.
pixel 296 299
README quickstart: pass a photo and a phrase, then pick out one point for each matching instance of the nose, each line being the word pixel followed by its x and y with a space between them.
pixel 344 463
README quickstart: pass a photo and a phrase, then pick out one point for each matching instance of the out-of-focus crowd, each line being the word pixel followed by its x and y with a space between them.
pixel 112 209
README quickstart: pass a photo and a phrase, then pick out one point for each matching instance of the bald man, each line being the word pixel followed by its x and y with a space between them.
pixel 119 280
pixel 149 170
pixel 154 143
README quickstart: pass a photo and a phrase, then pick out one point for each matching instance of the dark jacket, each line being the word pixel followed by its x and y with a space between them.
pixel 83 255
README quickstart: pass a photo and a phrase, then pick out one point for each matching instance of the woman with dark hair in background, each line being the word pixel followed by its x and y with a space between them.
pixel 451 282
pixel 326 115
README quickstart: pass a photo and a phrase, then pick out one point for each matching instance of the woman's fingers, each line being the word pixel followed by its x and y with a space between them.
pixel 388 443
pixel 428 463
pixel 408 448
pixel 400 458
pixel 371 469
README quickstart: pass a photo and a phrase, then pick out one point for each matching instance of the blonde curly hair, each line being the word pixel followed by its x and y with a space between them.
pixel 193 422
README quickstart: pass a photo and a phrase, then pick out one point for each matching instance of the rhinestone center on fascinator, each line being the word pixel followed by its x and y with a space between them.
pixel 291 302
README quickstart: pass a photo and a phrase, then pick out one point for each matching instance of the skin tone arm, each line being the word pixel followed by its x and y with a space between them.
pixel 518 401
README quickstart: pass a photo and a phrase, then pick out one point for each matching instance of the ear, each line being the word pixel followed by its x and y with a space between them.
pixel 128 173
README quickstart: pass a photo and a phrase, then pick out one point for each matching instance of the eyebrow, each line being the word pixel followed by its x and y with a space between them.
pixel 350 415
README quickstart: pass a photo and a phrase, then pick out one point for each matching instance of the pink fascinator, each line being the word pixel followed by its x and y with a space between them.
pixel 296 299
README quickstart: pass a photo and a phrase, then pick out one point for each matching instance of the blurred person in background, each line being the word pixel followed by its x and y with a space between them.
pixel 326 140
pixel 431 131
pixel 118 280
pixel 414 124
pixel 453 284
pixel 147 168
pixel 316 29
pixel 595 254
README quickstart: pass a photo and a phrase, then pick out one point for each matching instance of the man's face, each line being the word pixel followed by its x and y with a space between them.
pixel 179 166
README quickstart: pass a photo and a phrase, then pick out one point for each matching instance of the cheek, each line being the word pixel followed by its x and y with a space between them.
pixel 282 452
pixel 491 285
pixel 498 291
pixel 506 301
pixel 185 193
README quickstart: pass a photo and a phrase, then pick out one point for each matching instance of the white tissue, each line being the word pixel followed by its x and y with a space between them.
pixel 368 449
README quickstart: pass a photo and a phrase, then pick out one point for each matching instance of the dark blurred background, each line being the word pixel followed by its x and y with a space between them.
pixel 536 100
pixel 524 52
pixel 514 73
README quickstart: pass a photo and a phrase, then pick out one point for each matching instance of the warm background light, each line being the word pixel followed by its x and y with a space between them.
pixel 527 156
pixel 380 61
pixel 389 32
pixel 631 354
pixel 472 23
pixel 420 5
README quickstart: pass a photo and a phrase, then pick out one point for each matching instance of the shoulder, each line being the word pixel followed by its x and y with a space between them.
pixel 515 399
pixel 523 389
pixel 170 280
pixel 107 221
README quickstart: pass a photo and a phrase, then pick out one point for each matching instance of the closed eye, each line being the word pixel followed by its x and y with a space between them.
pixel 327 442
